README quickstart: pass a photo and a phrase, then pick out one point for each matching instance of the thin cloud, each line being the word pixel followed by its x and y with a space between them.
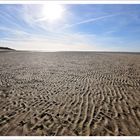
pixel 89 20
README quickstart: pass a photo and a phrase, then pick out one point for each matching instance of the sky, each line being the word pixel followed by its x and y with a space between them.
pixel 70 27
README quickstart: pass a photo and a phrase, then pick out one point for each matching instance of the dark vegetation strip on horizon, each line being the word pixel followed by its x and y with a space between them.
pixel 6 48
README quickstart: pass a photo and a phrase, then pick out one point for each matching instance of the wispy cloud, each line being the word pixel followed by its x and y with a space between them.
pixel 15 32
pixel 89 20
pixel 62 42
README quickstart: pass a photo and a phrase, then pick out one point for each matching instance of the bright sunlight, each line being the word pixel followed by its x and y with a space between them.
pixel 52 12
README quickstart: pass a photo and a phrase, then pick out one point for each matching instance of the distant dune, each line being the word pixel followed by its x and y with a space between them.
pixel 6 49
pixel 69 93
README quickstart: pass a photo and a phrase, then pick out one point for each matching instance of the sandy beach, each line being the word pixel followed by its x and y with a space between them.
pixel 69 94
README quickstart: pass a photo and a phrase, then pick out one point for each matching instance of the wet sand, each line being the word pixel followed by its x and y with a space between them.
pixel 69 94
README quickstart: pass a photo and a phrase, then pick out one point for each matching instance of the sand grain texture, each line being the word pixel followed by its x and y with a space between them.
pixel 75 93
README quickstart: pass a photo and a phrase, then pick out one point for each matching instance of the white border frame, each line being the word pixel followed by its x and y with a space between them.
pixel 70 137
pixel 70 1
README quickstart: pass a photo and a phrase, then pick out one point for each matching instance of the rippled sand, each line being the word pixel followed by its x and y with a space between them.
pixel 69 93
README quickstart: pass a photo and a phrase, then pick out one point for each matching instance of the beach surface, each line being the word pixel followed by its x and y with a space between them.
pixel 69 94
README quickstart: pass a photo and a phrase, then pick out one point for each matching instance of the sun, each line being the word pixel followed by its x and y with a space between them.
pixel 52 12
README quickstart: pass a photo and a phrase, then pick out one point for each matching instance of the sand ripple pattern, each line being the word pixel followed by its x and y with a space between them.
pixel 75 93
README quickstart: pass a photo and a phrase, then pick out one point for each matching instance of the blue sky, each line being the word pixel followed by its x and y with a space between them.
pixel 80 27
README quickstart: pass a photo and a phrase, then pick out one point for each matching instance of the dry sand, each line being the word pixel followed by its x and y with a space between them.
pixel 69 93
